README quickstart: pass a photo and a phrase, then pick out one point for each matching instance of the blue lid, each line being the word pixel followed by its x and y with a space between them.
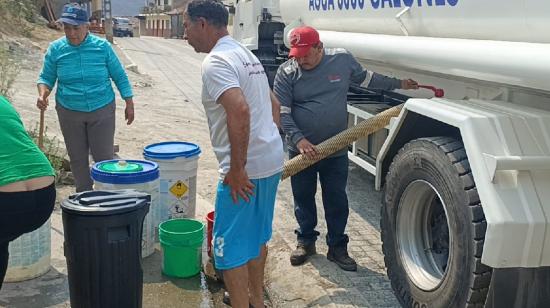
pixel 104 172
pixel 171 150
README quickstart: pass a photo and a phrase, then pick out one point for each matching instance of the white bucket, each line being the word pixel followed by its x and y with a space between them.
pixel 178 163
pixel 140 175
pixel 30 255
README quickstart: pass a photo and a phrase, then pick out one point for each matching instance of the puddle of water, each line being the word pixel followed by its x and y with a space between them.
pixel 202 290
pixel 52 290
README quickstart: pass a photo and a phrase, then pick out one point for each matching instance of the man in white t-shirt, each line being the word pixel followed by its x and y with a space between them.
pixel 241 111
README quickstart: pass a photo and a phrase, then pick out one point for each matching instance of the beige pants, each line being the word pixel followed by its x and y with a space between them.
pixel 86 132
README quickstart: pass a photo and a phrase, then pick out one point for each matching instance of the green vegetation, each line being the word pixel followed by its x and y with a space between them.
pixel 19 16
pixel 52 148
pixel 20 9
pixel 9 70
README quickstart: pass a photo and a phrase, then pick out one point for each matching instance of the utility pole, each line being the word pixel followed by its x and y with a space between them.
pixel 96 9
pixel 108 20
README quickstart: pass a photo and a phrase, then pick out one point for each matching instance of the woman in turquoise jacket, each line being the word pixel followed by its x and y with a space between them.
pixel 27 189
pixel 83 66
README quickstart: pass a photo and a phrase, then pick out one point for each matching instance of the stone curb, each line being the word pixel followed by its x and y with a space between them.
pixel 133 67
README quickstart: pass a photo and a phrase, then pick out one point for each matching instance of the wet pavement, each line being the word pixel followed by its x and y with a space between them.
pixel 159 104
pixel 161 291
pixel 52 288
pixel 168 99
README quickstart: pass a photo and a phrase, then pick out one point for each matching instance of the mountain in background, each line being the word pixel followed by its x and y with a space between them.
pixel 133 7
pixel 127 7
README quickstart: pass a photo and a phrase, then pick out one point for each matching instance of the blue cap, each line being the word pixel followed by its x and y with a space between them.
pixel 171 150
pixel 74 14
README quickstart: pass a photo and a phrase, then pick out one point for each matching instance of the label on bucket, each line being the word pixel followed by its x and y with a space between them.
pixel 179 189
pixel 178 196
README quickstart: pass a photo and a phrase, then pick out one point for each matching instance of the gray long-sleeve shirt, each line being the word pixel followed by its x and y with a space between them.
pixel 314 102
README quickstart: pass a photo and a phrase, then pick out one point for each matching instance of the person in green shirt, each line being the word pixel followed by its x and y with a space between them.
pixel 27 188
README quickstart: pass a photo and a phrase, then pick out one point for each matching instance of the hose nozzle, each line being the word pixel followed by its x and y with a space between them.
pixel 437 92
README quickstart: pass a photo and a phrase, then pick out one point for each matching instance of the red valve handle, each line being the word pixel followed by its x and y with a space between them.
pixel 437 92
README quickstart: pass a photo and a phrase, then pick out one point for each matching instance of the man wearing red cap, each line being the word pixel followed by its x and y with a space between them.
pixel 312 87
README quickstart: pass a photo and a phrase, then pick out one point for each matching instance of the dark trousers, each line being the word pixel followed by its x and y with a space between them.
pixel 333 175
pixel 20 213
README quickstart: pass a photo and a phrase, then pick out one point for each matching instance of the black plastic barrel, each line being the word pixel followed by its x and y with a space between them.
pixel 103 247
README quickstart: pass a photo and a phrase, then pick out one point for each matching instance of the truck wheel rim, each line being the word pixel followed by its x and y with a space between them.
pixel 423 236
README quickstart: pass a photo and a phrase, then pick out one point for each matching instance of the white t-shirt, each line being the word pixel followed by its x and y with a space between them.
pixel 231 65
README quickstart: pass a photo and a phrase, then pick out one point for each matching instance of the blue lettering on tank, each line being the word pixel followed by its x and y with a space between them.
pixel 428 2
pixel 340 4
pixel 328 5
pixel 389 3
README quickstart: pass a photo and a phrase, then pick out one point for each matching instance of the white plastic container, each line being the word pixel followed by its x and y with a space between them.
pixel 178 163
pixel 30 255
pixel 140 175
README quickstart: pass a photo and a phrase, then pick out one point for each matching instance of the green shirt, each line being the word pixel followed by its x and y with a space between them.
pixel 20 158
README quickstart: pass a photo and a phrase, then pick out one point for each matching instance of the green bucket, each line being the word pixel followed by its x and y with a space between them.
pixel 181 242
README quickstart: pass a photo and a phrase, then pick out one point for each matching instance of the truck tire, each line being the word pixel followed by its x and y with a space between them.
pixel 433 227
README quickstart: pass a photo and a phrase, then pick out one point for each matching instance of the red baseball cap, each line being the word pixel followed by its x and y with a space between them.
pixel 301 40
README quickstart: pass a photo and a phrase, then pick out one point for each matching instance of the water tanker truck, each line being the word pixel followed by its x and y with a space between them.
pixel 466 177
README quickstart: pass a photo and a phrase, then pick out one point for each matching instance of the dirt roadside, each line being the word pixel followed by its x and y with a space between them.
pixel 159 117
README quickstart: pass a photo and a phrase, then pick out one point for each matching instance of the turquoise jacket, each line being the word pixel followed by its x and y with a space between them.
pixel 83 73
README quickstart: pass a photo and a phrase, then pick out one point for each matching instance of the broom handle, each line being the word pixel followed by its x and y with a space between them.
pixel 41 131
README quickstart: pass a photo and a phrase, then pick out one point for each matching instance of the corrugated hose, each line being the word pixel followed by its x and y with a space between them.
pixel 341 140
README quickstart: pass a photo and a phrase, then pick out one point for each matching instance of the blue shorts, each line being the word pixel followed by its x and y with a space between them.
pixel 241 228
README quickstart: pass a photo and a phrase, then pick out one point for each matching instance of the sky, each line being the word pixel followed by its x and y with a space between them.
pixel 126 7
